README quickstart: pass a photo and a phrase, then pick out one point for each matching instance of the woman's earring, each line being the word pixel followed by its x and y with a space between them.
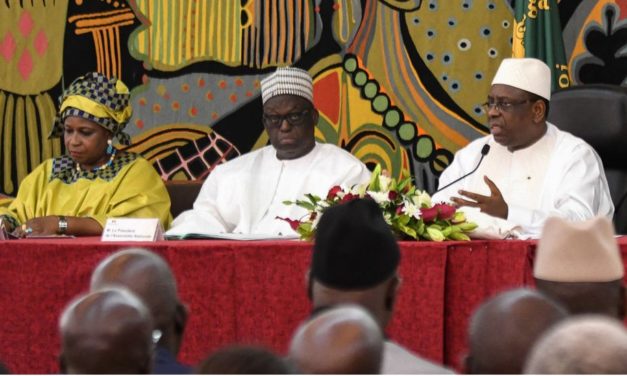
pixel 110 147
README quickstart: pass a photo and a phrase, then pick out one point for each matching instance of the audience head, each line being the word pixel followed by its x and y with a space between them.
pixel 355 260
pixel 518 102
pixel 341 340
pixel 503 330
pixel 579 265
pixel 289 115
pixel 149 277
pixel 586 344
pixel 106 331
pixel 243 360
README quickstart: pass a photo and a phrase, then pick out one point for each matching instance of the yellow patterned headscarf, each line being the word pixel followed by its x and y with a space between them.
pixel 99 99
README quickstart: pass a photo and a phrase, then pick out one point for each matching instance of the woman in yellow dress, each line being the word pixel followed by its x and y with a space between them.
pixel 75 194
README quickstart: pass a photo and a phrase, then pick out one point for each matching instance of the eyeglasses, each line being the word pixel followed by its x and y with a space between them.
pixel 502 106
pixel 293 118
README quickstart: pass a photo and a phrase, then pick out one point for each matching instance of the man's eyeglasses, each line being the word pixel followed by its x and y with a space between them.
pixel 293 118
pixel 502 106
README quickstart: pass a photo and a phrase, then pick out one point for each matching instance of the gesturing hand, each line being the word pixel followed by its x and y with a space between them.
pixel 494 204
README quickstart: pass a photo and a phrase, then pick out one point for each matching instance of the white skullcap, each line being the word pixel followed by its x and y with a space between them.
pixel 578 252
pixel 287 81
pixel 527 74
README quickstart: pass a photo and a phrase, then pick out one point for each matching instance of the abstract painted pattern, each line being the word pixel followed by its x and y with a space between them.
pixel 31 50
pixel 600 45
pixel 234 33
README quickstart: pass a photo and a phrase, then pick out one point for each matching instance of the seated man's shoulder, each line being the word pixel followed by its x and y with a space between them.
pixel 244 159
pixel 568 140
pixel 398 360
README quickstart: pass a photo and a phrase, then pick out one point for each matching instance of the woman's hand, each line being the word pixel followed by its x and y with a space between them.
pixel 48 225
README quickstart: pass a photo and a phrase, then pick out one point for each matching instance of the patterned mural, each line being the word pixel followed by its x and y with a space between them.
pixel 397 82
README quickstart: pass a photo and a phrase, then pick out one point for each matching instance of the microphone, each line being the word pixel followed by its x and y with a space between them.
pixel 484 151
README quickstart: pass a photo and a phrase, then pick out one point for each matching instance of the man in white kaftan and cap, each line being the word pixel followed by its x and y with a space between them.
pixel 246 194
pixel 533 170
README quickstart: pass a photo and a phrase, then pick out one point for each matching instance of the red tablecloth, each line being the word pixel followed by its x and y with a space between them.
pixel 252 292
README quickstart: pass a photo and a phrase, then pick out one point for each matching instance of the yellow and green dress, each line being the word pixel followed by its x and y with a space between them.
pixel 128 187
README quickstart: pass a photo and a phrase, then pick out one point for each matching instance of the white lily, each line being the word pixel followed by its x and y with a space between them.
pixel 384 183
pixel 379 197
pixel 411 210
pixel 422 199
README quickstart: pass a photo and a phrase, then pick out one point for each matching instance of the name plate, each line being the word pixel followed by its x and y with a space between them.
pixel 132 230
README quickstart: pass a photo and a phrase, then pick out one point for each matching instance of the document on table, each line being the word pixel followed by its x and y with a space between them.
pixel 232 236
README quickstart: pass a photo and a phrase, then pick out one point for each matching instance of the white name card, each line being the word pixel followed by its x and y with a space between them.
pixel 132 230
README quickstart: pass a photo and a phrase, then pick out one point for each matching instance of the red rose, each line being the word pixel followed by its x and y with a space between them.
pixel 348 197
pixel 429 214
pixel 333 192
pixel 446 211
pixel 399 209
pixel 392 195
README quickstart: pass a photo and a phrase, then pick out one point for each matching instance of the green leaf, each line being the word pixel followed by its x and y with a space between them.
pixel 374 179
pixel 307 205
pixel 314 199
pixel 409 231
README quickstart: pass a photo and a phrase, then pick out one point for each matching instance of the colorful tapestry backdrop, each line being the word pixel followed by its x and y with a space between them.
pixel 397 82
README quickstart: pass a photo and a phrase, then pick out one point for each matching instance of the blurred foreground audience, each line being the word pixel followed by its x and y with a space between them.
pixel 587 344
pixel 244 360
pixel 148 276
pixel 342 340
pixel 503 330
pixel 579 265
pixel 106 331
pixel 354 261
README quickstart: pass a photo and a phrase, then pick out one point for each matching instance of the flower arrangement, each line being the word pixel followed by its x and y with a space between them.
pixel 407 210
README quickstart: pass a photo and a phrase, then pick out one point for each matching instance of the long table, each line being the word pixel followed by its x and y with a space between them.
pixel 253 292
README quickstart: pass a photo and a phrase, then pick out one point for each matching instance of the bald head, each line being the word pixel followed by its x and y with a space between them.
pixel 344 340
pixel 504 328
pixel 148 276
pixel 587 344
pixel 106 331
pixel 243 360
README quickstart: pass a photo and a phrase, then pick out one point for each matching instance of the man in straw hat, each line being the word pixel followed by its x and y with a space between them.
pixel 246 195
pixel 532 169
pixel 579 265
pixel 355 261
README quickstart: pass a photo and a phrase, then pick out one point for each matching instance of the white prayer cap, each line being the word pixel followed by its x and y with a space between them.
pixel 287 81
pixel 527 74
pixel 578 252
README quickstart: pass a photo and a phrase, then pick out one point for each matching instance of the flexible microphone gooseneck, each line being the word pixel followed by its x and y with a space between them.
pixel 484 151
